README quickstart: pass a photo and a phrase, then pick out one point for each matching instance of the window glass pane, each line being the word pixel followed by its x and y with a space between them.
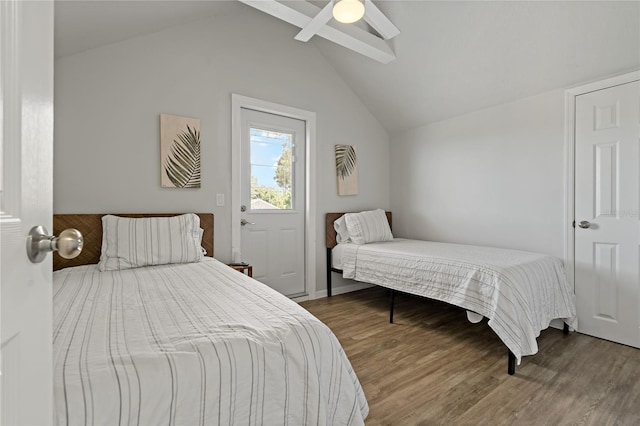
pixel 271 171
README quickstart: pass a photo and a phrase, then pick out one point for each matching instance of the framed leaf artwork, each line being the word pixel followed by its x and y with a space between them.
pixel 346 169
pixel 179 151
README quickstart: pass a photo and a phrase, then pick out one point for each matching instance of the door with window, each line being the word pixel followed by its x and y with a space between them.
pixel 273 199
pixel 607 213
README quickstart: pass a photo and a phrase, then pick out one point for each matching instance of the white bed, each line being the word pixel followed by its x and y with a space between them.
pixel 337 255
pixel 519 292
pixel 193 344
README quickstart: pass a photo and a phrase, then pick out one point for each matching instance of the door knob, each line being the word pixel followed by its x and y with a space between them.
pixel 584 224
pixel 244 222
pixel 68 244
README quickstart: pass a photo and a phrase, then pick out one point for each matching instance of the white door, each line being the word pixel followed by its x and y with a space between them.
pixel 607 234
pixel 26 144
pixel 273 199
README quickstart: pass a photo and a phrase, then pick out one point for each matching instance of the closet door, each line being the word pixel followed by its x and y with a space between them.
pixel 607 234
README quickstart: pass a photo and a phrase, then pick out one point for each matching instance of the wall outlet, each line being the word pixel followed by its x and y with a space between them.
pixel 219 200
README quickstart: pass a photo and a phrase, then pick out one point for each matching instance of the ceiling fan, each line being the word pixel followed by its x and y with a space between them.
pixel 348 11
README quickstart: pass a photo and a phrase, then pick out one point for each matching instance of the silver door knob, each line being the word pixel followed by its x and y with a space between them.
pixel 68 244
pixel 584 224
pixel 244 222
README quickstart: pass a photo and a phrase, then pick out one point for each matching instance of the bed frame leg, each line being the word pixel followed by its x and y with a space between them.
pixel 565 329
pixel 511 368
pixel 328 272
pixel 393 298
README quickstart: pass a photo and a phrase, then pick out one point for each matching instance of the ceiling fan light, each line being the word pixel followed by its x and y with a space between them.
pixel 348 11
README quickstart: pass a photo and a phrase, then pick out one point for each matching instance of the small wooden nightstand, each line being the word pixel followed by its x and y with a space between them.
pixel 243 268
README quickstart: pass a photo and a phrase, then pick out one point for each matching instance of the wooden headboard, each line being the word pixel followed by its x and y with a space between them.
pixel 331 232
pixel 90 225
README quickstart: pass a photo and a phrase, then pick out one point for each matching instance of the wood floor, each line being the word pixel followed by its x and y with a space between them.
pixel 433 367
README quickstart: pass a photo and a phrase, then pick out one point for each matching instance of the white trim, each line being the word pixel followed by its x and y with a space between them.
pixel 342 289
pixel 237 103
pixel 569 125
pixel 300 299
pixel 558 324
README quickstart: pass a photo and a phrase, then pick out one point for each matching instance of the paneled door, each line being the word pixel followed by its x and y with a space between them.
pixel 26 172
pixel 273 199
pixel 607 234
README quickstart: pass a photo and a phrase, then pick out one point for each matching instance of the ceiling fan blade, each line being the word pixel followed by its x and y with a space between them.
pixel 378 21
pixel 316 23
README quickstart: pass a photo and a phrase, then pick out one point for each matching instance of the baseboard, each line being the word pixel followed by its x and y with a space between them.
pixel 557 323
pixel 342 289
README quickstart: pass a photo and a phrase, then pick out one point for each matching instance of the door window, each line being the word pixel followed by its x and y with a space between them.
pixel 272 174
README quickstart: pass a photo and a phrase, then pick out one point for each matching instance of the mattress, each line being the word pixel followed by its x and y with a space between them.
pixel 519 292
pixel 193 344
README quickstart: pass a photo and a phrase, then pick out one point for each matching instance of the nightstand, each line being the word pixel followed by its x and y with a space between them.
pixel 242 268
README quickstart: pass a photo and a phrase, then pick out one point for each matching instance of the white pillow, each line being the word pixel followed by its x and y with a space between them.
pixel 368 227
pixel 342 233
pixel 200 234
pixel 135 242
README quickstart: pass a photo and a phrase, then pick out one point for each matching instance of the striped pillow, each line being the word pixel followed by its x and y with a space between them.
pixel 132 243
pixel 368 227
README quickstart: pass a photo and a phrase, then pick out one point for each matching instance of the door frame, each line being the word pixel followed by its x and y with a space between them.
pixel 237 103
pixel 570 149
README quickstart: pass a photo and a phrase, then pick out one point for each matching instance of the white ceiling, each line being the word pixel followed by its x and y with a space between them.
pixel 453 57
pixel 458 57
pixel 86 24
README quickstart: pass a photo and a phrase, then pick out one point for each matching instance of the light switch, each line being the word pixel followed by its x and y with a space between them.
pixel 219 200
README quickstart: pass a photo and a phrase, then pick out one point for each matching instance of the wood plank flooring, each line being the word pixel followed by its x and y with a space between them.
pixel 433 367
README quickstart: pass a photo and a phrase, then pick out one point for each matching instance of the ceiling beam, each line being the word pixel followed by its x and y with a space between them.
pixel 320 20
pixel 379 22
pixel 300 13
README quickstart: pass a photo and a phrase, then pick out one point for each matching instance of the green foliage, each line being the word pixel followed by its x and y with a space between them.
pixel 281 198
pixel 283 170
pixel 345 160
pixel 182 165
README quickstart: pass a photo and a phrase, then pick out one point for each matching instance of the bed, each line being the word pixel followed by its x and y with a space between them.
pixel 188 343
pixel 519 292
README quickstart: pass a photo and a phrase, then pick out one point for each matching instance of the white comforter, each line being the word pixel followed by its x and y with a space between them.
pixel 519 292
pixel 193 344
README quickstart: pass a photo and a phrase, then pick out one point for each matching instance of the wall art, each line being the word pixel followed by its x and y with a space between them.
pixel 346 169
pixel 179 151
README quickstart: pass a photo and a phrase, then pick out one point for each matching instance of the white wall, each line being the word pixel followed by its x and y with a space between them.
pixel 108 101
pixel 494 177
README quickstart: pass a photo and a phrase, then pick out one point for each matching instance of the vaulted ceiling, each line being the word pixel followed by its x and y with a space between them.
pixel 453 57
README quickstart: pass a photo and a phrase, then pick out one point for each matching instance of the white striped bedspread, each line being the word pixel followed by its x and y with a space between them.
pixel 519 292
pixel 193 344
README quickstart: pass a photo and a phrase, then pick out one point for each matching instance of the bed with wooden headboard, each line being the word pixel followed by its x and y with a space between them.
pixel 186 342
pixel 90 226
pixel 331 242
pixel 519 292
